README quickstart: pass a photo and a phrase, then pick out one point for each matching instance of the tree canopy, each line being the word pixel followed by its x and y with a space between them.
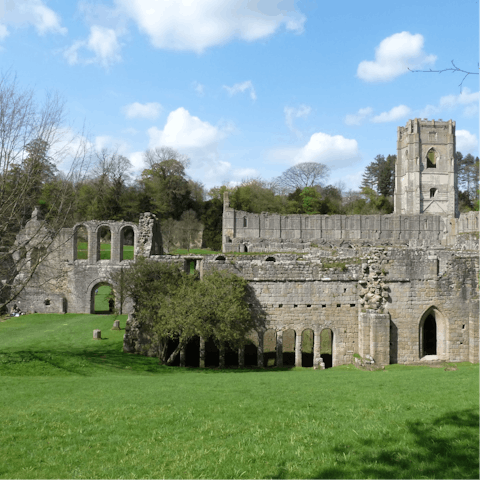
pixel 178 306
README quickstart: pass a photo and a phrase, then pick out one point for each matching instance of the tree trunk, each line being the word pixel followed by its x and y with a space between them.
pixel 174 354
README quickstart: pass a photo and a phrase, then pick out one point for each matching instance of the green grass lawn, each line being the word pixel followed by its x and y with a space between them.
pixel 74 407
pixel 105 251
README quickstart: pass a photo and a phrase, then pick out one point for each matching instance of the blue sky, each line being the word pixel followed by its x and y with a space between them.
pixel 249 88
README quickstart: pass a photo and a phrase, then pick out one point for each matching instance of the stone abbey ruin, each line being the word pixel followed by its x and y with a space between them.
pixel 398 288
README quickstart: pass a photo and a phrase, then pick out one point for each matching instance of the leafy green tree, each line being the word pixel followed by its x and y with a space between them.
pixel 165 183
pixel 380 175
pixel 468 177
pixel 370 203
pixel 212 221
pixel 256 196
pixel 188 229
pixel 177 306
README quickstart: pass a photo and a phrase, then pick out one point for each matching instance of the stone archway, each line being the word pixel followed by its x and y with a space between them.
pixel 100 298
pixel 432 334
pixel 326 347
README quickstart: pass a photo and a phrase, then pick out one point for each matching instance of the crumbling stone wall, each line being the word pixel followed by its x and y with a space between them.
pixel 373 300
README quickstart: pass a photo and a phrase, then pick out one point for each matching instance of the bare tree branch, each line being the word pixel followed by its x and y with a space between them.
pixel 307 174
pixel 452 69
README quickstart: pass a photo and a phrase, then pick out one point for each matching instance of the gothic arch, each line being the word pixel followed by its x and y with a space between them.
pixel 433 334
pixel 328 359
pixel 431 159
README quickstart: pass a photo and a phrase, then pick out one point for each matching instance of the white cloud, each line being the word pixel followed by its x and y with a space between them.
pixel 395 113
pixel 102 42
pixel 334 151
pixel 197 25
pixel 199 140
pixel 394 56
pixel 186 132
pixel 137 160
pixel 466 99
pixel 142 110
pixel 359 117
pixel 292 112
pixel 466 142
pixel 29 12
pixel 240 88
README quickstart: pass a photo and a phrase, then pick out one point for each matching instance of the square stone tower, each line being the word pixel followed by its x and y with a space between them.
pixel 426 168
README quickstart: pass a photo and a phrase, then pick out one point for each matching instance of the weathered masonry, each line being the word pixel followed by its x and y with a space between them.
pixel 400 288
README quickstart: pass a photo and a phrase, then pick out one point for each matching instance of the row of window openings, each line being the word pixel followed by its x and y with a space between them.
pixel 104 243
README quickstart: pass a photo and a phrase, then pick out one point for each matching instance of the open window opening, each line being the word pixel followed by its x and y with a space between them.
pixel 191 266
pixel 307 347
pixel 433 192
pixel 289 348
pixel 326 347
pixel 127 244
pixel 81 243
pixel 104 245
pixel 431 159
pixel 269 348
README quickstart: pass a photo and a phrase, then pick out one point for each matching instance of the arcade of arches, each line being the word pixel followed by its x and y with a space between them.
pixel 272 349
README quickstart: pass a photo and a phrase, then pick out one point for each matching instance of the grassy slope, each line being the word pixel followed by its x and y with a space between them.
pixel 73 407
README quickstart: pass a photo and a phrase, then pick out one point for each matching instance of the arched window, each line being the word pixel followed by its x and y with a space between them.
pixel 104 246
pixel 307 347
pixel 270 259
pixel 81 243
pixel 326 347
pixel 431 159
pixel 269 348
pixel 289 348
pixel 433 192
pixel 127 243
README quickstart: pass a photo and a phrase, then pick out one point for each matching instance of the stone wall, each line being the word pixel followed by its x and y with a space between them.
pixel 243 231
pixel 373 300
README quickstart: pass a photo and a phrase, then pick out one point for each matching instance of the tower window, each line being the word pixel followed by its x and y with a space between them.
pixel 244 222
pixel 433 192
pixel 431 159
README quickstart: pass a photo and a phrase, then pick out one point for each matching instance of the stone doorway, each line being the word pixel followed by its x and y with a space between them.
pixel 430 335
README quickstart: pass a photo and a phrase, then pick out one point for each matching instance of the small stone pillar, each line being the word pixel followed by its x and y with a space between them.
pixel 182 357
pixel 298 349
pixel 202 352
pixel 280 348
pixel 241 357
pixel 317 358
pixel 97 334
pixel 116 325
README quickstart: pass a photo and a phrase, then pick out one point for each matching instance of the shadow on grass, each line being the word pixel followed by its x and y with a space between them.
pixel 445 447
pixel 97 359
